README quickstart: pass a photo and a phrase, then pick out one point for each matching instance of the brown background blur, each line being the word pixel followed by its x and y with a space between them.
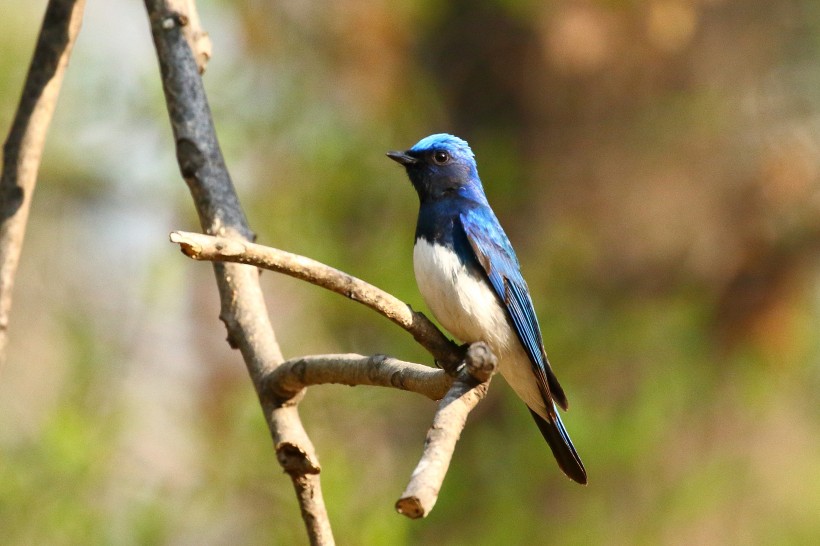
pixel 654 162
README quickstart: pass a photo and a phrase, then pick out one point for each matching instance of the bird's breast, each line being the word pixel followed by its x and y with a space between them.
pixel 466 305
pixel 463 302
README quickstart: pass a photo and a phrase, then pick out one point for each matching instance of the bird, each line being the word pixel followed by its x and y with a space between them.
pixel 470 278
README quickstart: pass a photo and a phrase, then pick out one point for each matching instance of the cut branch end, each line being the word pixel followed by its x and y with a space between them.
pixel 410 507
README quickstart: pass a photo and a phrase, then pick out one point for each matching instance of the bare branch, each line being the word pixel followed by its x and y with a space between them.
pixel 467 390
pixel 295 454
pixel 204 247
pixel 23 148
pixel 243 308
pixel 312 507
pixel 351 369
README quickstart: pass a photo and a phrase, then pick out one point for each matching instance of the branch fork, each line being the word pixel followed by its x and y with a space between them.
pixel 458 387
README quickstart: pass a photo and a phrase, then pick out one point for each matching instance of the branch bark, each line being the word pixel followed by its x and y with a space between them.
pixel 204 247
pixel 351 369
pixel 195 35
pixel 23 148
pixel 243 309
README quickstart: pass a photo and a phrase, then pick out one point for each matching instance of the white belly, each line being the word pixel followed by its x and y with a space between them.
pixel 469 309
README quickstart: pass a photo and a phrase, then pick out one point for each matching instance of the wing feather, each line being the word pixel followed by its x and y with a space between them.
pixel 494 252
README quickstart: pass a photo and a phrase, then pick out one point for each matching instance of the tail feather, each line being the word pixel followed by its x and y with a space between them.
pixel 558 439
pixel 556 390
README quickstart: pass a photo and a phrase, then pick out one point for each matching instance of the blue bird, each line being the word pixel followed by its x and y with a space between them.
pixel 469 276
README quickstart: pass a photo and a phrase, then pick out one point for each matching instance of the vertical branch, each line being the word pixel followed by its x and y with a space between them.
pixel 243 308
pixel 23 148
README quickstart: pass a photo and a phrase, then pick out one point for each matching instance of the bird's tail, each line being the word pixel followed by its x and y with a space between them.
pixel 558 439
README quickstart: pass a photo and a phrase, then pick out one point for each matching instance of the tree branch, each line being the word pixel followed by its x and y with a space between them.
pixel 204 247
pixel 243 308
pixel 378 370
pixel 467 390
pixel 23 148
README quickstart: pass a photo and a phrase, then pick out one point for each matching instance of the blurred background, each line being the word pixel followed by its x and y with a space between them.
pixel 656 164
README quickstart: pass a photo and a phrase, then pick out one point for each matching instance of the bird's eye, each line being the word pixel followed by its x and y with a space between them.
pixel 441 157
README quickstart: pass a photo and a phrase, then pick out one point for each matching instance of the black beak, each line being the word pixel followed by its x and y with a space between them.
pixel 402 158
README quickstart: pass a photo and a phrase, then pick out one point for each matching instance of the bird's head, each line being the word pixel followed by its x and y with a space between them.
pixel 439 166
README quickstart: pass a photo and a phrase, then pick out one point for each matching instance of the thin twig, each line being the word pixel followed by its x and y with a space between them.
pixel 204 247
pixel 467 390
pixel 23 148
pixel 243 308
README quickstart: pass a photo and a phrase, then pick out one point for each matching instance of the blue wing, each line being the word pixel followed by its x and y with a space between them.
pixel 494 252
